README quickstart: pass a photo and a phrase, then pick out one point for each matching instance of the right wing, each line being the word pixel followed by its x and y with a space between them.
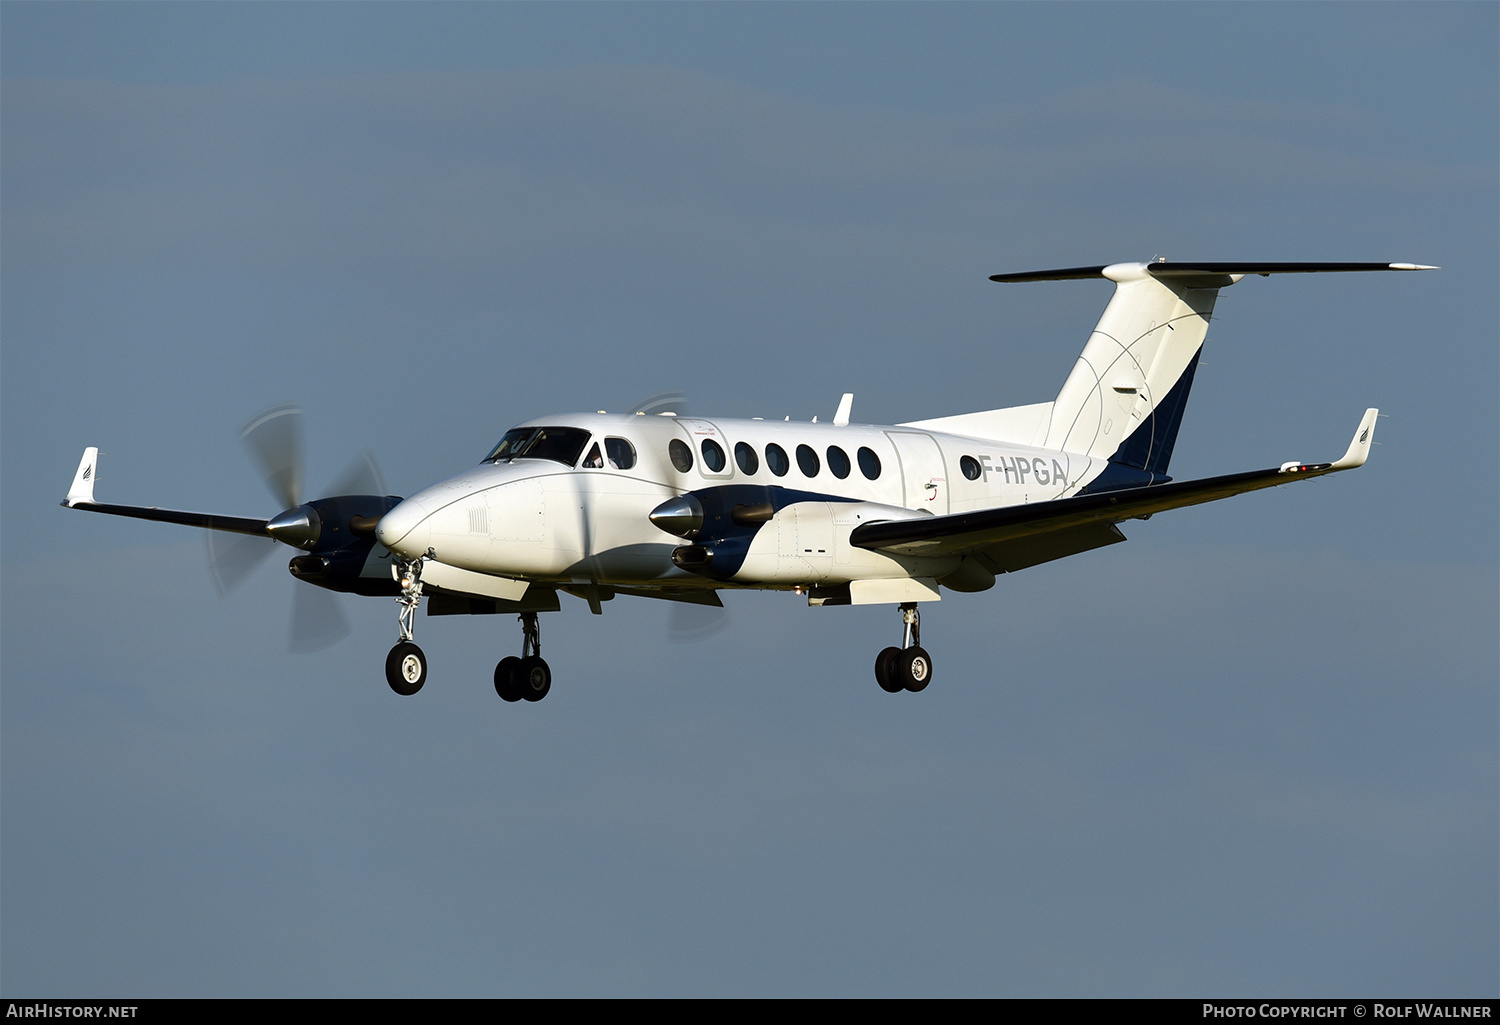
pixel 81 496
pixel 1017 536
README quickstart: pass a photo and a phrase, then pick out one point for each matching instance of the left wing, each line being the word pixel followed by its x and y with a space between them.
pixel 1017 536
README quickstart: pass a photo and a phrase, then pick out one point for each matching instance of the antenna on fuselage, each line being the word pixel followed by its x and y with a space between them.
pixel 841 418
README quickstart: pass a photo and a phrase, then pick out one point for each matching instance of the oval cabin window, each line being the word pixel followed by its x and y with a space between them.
pixel 838 462
pixel 746 457
pixel 807 461
pixel 713 455
pixel 777 461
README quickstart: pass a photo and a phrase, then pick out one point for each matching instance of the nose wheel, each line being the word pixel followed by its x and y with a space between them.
pixel 406 668
pixel 908 667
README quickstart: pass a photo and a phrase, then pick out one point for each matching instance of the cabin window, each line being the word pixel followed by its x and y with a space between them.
pixel 869 463
pixel 713 455
pixel 807 461
pixel 560 444
pixel 970 466
pixel 682 456
pixel 746 457
pixel 621 453
pixel 838 462
pixel 777 461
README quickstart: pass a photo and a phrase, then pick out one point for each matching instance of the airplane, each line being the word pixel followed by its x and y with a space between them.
pixel 679 508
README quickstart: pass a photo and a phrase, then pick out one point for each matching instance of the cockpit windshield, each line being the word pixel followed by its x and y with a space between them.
pixel 560 444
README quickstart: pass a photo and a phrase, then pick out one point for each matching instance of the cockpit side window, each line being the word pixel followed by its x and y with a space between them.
pixel 621 453
pixel 559 444
pixel 593 461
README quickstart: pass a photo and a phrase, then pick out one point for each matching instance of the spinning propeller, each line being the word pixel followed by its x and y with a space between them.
pixel 686 623
pixel 324 527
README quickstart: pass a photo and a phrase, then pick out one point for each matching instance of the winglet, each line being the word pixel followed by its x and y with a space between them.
pixel 83 481
pixel 1359 448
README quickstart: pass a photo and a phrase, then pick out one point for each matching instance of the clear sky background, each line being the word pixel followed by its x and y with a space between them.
pixel 1252 751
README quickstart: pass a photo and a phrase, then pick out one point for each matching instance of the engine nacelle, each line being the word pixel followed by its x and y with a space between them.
pixel 797 539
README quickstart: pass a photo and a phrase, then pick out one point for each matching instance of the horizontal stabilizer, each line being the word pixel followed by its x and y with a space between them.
pixel 1163 269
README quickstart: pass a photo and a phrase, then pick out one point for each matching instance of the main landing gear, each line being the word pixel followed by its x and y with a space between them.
pixel 528 676
pixel 908 667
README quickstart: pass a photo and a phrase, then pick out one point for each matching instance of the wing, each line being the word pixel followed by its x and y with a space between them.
pixel 1017 536
pixel 81 496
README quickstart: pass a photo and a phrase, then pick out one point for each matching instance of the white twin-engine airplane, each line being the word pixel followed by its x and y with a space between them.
pixel 677 508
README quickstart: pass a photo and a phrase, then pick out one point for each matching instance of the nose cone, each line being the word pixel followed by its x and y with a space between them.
pixel 405 530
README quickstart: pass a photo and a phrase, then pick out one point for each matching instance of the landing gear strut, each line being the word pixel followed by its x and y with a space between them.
pixel 529 676
pixel 908 667
pixel 406 665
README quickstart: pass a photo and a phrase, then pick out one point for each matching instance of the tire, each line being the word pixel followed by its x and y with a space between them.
pixel 506 684
pixel 915 669
pixel 406 669
pixel 885 671
pixel 533 678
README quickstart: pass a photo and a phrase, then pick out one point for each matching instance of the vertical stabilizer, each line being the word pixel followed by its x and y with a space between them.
pixel 1125 397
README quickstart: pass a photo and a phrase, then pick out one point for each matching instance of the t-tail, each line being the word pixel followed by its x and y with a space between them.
pixel 1124 400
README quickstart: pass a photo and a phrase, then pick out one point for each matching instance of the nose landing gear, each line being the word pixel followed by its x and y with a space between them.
pixel 529 676
pixel 908 667
pixel 406 665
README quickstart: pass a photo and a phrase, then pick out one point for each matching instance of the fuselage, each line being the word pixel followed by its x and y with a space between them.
pixel 581 511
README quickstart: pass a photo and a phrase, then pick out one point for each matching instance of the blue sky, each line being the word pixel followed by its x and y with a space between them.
pixel 1253 750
